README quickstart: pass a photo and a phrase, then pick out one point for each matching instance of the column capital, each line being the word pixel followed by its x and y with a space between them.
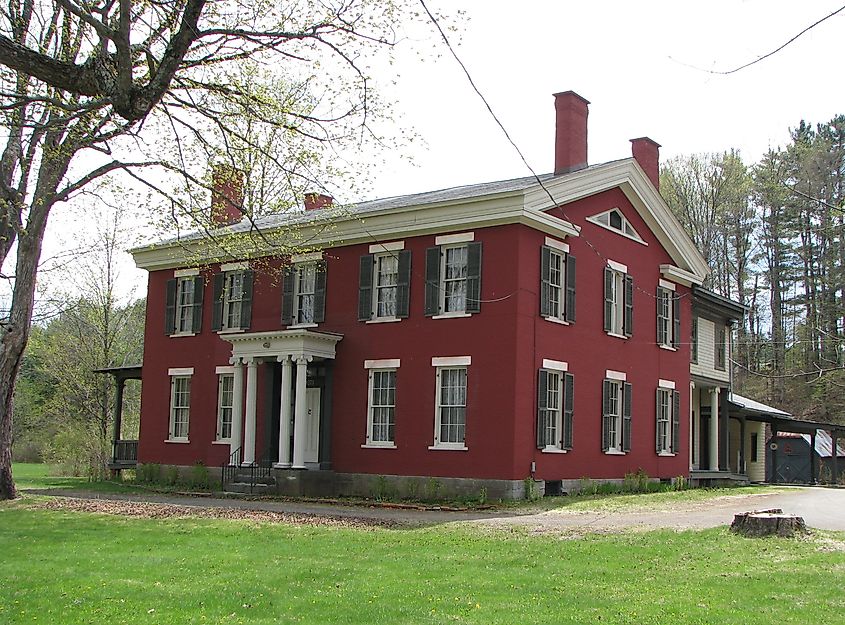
pixel 236 361
pixel 283 359
pixel 303 359
pixel 716 390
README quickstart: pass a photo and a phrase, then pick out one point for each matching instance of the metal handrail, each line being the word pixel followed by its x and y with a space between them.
pixel 230 470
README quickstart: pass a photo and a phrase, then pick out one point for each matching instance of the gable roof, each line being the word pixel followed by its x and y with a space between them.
pixel 520 200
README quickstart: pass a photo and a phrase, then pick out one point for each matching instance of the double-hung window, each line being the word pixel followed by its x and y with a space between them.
pixel 304 291
pixel 381 412
pixel 557 282
pixel 384 281
pixel 693 354
pixel 668 419
pixel 453 276
pixel 554 409
pixel 180 404
pixel 183 306
pixel 450 402
pixel 232 298
pixel 225 401
pixel 720 357
pixel 616 414
pixel 618 300
pixel 668 316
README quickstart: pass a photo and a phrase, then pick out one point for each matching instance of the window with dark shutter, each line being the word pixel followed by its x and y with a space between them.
pixel 403 285
pixel 196 312
pixel 432 281
pixel 628 324
pixel 607 425
pixel 626 417
pixel 569 309
pixel 170 307
pixel 320 293
pixel 246 299
pixel 545 281
pixel 676 320
pixel 662 316
pixel 217 308
pixel 609 303
pixel 542 408
pixel 694 340
pixel 676 422
pixel 365 288
pixel 568 409
pixel 288 285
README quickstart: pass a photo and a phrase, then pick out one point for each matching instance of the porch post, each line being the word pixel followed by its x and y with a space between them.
pixel 774 453
pixel 237 409
pixel 835 469
pixel 813 457
pixel 714 429
pixel 300 413
pixel 741 468
pixel 119 383
pixel 284 415
pixel 692 437
pixel 249 434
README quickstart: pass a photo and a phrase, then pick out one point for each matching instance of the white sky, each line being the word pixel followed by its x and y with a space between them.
pixel 639 63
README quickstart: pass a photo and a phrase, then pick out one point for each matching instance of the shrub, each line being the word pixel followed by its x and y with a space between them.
pixel 412 489
pixel 586 486
pixel 149 473
pixel 28 451
pixel 381 489
pixel 200 477
pixel 636 482
pixel 680 483
pixel 432 489
pixel 532 491
pixel 171 476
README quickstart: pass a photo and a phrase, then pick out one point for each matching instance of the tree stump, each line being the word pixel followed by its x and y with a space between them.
pixel 768 523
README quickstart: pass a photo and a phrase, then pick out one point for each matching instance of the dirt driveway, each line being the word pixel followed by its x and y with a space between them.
pixel 821 508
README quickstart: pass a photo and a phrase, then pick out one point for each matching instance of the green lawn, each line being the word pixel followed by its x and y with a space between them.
pixel 66 567
pixel 37 476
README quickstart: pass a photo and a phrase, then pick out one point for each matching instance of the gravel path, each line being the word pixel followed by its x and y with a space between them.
pixel 821 508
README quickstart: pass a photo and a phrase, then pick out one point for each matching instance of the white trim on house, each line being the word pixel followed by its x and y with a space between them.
pixel 661 383
pixel 393 246
pixel 180 371
pixel 451 361
pixel 555 365
pixel 617 266
pixel 623 231
pixel 384 363
pixel 556 245
pixel 619 376
pixel 450 239
pixel 241 266
pixel 224 369
pixel 308 257
pixel 186 273
pixel 665 284
pixel 678 275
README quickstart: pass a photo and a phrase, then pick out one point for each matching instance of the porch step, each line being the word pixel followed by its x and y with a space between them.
pixel 259 488
pixel 244 477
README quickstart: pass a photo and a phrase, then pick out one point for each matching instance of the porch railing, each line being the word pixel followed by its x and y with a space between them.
pixel 260 472
pixel 125 453
pixel 230 469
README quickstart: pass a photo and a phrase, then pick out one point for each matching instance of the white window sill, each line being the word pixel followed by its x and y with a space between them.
pixel 553 450
pixel 297 326
pixel 616 335
pixel 613 452
pixel 444 447
pixel 230 331
pixel 383 320
pixel 668 348
pixel 378 446
pixel 222 441
pixel 666 454
pixel 452 315
pixel 181 334
pixel 557 320
pixel 179 441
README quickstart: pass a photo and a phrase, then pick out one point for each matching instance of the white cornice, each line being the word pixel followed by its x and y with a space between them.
pixel 386 225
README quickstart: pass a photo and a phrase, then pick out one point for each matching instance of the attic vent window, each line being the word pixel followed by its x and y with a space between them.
pixel 615 220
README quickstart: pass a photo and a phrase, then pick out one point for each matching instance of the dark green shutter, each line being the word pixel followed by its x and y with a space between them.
pixel 661 326
pixel 219 283
pixel 568 406
pixel 657 421
pixel 545 280
pixel 170 307
pixel 569 310
pixel 608 299
pixel 287 295
pixel 676 320
pixel 628 325
pixel 676 422
pixel 694 338
pixel 626 417
pixel 403 285
pixel 320 293
pixel 246 299
pixel 542 408
pixel 196 308
pixel 365 288
pixel 432 281
pixel 473 277
pixel 606 415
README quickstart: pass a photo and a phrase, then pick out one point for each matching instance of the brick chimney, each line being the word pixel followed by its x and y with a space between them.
pixel 570 132
pixel 227 195
pixel 647 153
pixel 315 201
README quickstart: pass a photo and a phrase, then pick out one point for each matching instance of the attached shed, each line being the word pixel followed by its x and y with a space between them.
pixel 805 458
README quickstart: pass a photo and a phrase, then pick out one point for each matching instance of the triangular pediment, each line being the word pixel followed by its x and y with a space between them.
pixel 615 221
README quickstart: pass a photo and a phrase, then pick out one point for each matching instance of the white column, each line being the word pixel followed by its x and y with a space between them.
pixel 284 415
pixel 714 429
pixel 693 438
pixel 300 413
pixel 237 406
pixel 249 430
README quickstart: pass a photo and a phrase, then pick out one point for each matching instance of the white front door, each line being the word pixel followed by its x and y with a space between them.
pixel 312 425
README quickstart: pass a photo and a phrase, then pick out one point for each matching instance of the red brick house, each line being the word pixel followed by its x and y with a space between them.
pixel 479 335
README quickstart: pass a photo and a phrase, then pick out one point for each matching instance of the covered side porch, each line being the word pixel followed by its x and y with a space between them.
pixel 124 451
